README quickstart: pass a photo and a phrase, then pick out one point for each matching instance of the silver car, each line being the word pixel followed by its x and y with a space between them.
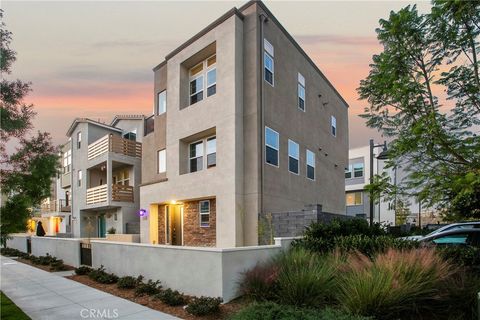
pixel 449 227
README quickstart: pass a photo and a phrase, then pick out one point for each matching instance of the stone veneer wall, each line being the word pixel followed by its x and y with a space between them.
pixel 161 224
pixel 193 234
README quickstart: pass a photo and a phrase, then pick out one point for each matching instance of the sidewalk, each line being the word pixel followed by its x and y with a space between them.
pixel 46 296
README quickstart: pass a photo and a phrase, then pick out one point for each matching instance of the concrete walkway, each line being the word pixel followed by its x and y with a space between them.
pixel 46 296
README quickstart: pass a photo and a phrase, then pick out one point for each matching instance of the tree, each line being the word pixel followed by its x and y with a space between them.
pixel 426 59
pixel 26 174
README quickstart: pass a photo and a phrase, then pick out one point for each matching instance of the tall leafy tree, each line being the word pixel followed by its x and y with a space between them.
pixel 26 173
pixel 423 91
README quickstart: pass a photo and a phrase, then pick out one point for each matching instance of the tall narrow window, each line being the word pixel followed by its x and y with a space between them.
pixel 269 65
pixel 301 92
pixel 204 213
pixel 162 102
pixel 67 161
pixel 79 139
pixel 162 161
pixel 271 146
pixel 211 76
pixel 310 165
pixel 196 156
pixel 79 178
pixel 334 126
pixel 211 152
pixel 358 170
pixel 293 156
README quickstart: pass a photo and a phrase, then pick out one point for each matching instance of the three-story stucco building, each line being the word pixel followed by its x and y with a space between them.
pixel 245 124
pixel 101 175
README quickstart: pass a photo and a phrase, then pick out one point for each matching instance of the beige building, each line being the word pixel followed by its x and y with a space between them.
pixel 245 124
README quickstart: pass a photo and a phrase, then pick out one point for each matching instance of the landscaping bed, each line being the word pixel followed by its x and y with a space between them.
pixel 47 263
pixel 225 310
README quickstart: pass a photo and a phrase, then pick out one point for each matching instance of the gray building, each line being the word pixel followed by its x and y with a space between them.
pixel 101 175
pixel 245 124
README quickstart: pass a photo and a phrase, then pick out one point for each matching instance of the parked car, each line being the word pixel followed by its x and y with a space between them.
pixel 448 227
pixel 457 237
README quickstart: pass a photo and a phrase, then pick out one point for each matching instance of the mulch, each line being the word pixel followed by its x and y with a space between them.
pixel 226 310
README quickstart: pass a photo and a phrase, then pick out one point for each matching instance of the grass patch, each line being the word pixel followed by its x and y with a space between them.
pixel 9 311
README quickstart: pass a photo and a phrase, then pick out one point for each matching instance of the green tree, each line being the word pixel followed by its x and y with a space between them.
pixel 423 91
pixel 26 173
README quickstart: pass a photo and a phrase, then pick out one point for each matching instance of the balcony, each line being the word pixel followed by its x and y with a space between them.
pixel 59 205
pixel 99 194
pixel 112 143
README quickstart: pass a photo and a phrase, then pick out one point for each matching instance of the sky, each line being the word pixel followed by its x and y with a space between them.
pixel 94 59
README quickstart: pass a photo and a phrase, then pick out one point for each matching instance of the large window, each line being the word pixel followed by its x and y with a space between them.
pixel 272 146
pixel 132 135
pixel 162 102
pixel 67 161
pixel 310 165
pixel 269 68
pixel 197 150
pixel 293 156
pixel 162 161
pixel 358 170
pixel 203 75
pixel 79 178
pixel 196 156
pixel 333 122
pixel 211 152
pixel 122 177
pixel 204 213
pixel 354 198
pixel 79 140
pixel 301 92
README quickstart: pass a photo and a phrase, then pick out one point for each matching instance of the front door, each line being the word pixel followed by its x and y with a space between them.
pixel 101 227
pixel 174 224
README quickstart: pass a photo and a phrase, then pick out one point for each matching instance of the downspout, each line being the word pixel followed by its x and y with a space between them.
pixel 263 19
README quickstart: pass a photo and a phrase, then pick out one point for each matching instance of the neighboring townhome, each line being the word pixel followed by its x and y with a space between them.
pixel 102 172
pixel 56 210
pixel 357 176
pixel 245 124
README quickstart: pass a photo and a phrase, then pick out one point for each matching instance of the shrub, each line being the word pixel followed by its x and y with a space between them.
pixel 10 252
pixel 464 256
pixel 57 265
pixel 83 270
pixel 129 282
pixel 396 284
pixel 150 288
pixel 170 297
pixel 370 246
pixel 273 311
pixel 101 276
pixel 304 278
pixel 42 260
pixel 259 283
pixel 204 306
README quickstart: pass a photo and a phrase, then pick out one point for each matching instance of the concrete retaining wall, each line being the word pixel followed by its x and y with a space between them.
pixel 213 272
pixel 67 249
pixel 18 241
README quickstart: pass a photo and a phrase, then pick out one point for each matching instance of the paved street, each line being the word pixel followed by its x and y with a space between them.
pixel 46 296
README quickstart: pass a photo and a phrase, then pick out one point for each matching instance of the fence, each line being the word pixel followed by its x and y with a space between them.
pixel 214 272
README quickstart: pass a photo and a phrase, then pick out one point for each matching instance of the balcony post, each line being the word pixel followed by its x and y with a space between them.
pixel 109 180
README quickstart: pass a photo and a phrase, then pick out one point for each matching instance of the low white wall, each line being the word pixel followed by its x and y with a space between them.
pixel 18 241
pixel 67 249
pixel 213 272
pixel 118 237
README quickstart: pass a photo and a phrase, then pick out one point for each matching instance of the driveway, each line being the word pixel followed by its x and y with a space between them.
pixel 48 296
